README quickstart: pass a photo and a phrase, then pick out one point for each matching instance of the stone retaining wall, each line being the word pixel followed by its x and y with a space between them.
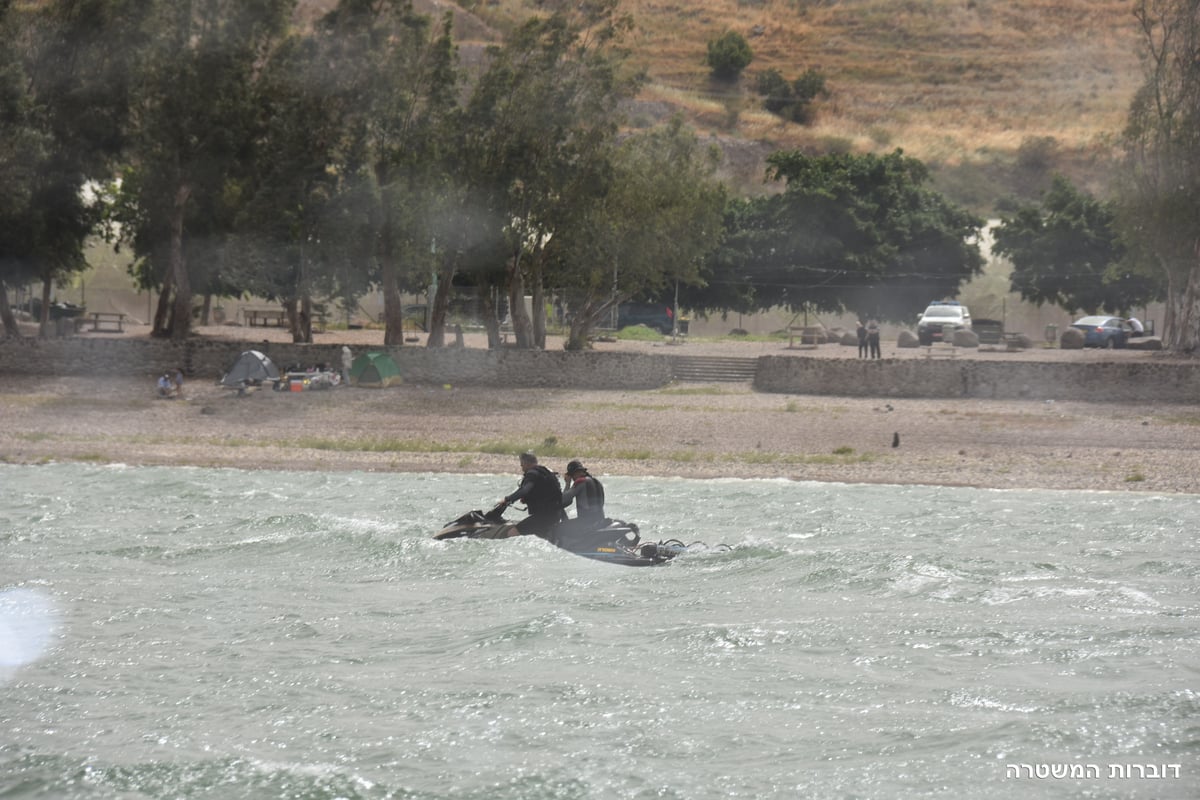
pixel 208 359
pixel 1143 381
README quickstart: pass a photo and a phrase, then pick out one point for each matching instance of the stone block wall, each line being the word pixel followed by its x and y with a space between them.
pixel 208 359
pixel 1097 382
pixel 1144 381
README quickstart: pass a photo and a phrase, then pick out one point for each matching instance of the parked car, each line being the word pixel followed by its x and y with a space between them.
pixel 940 320
pixel 1107 332
pixel 658 316
pixel 57 310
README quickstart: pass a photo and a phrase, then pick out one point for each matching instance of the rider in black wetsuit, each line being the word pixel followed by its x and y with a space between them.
pixel 542 495
pixel 586 491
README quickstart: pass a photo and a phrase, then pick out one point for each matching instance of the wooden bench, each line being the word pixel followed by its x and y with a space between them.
pixel 264 317
pixel 99 321
pixel 809 337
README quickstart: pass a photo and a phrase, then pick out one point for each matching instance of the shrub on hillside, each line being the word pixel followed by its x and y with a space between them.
pixel 792 100
pixel 728 55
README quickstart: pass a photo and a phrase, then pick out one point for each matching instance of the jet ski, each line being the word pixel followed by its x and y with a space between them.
pixel 611 540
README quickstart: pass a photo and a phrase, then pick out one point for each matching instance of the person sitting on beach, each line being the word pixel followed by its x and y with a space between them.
pixel 542 495
pixel 164 385
pixel 585 491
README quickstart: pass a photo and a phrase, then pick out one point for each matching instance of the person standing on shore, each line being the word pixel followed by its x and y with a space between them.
pixel 542 495
pixel 873 337
pixel 862 339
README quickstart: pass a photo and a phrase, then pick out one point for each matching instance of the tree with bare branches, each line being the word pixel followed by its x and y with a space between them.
pixel 1160 201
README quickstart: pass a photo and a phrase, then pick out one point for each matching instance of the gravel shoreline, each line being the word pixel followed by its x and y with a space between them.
pixel 688 430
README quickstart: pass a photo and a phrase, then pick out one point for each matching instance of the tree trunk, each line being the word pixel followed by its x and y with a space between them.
pixel 538 322
pixel 522 328
pixel 393 304
pixel 162 311
pixel 303 331
pixel 491 319
pixel 299 320
pixel 582 323
pixel 181 317
pixel 44 321
pixel 441 304
pixel 1183 304
pixel 577 335
pixel 393 318
pixel 6 314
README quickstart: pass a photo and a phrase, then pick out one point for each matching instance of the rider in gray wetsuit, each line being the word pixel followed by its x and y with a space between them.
pixel 586 492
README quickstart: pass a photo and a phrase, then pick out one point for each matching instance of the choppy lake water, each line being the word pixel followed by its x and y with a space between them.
pixel 179 633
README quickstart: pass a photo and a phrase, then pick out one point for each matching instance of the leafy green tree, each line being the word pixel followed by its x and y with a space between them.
pixel 1160 196
pixel 536 133
pixel 652 227
pixel 275 246
pixel 345 133
pixel 726 285
pixel 197 107
pixel 775 89
pixel 22 147
pixel 857 233
pixel 728 55
pixel 791 100
pixel 397 83
pixel 1067 252
pixel 806 89
pixel 63 93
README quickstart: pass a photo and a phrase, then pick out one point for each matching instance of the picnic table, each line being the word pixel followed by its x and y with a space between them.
pixel 113 321
pixel 264 317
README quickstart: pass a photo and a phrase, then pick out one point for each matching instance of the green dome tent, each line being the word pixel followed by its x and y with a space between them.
pixel 250 368
pixel 374 369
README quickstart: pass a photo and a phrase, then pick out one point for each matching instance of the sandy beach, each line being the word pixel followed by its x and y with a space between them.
pixel 684 430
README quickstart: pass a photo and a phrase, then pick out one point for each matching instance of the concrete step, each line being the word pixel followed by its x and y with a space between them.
pixel 713 369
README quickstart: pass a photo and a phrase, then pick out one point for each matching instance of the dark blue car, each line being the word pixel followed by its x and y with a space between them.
pixel 653 315
pixel 1108 332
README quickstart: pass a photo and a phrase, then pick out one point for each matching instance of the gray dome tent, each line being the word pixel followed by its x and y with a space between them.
pixel 251 367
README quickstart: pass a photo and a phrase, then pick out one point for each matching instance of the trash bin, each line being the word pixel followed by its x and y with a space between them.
pixel 1051 334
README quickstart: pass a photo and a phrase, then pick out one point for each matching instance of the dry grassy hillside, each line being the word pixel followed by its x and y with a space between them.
pixel 945 78
pixel 994 94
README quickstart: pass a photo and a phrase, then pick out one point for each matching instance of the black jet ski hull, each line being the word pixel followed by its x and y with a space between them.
pixel 611 541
